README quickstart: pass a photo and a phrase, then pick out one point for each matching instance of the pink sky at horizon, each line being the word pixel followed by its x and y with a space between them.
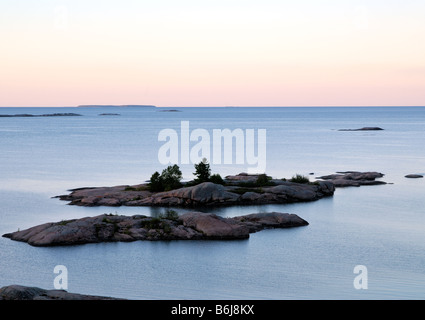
pixel 271 54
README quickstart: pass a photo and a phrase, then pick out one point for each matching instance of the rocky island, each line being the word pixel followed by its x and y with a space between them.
pixel 237 190
pixel 18 292
pixel 241 189
pixel 188 226
pixel 116 106
pixel 27 115
pixel 354 179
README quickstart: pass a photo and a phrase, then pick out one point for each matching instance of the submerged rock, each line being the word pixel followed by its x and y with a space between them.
pixel 189 226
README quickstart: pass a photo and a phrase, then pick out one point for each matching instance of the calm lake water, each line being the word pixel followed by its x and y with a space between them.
pixel 380 227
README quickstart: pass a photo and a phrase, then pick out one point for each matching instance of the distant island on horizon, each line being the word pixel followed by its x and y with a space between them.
pixel 120 106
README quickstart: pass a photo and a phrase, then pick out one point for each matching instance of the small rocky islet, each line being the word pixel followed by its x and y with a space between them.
pixel 27 115
pixel 363 129
pixel 414 176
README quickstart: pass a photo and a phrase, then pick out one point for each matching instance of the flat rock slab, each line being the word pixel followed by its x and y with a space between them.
pixel 189 226
pixel 354 179
pixel 17 292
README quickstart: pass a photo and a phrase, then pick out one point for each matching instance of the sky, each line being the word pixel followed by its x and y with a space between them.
pixel 212 52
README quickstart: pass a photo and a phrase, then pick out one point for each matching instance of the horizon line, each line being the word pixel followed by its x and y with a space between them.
pixel 208 106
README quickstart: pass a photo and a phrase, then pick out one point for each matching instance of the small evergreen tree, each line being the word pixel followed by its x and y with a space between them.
pixel 217 179
pixel 171 177
pixel 156 184
pixel 262 180
pixel 202 171
pixel 298 178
